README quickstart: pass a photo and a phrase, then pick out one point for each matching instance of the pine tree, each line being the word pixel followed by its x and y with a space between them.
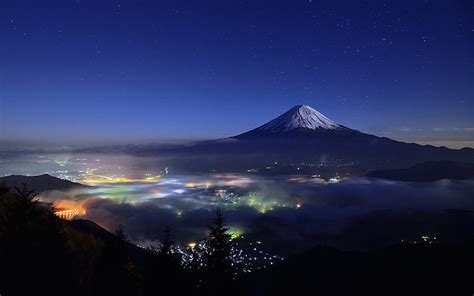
pixel 164 271
pixel 167 244
pixel 31 239
pixel 121 235
pixel 24 193
pixel 219 245
pixel 167 253
pixel 219 249
pixel 116 273
pixel 218 261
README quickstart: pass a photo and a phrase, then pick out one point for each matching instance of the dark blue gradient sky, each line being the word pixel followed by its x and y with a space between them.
pixel 129 70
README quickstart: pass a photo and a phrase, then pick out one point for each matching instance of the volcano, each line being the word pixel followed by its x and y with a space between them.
pixel 301 120
pixel 301 138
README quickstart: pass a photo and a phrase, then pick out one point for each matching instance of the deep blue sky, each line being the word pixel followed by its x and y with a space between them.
pixel 129 70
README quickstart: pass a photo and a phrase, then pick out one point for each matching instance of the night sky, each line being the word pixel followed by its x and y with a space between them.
pixel 141 70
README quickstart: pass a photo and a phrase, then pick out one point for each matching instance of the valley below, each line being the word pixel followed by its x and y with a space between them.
pixel 286 213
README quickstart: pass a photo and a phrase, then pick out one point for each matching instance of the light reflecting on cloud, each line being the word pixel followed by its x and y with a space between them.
pixel 145 194
pixel 255 203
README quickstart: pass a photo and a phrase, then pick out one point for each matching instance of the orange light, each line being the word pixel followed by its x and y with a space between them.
pixel 68 209
pixel 193 184
pixel 69 214
pixel 117 180
pixel 297 179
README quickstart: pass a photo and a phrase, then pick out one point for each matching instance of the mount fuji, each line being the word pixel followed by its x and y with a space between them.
pixel 301 120
pixel 304 138
pixel 302 135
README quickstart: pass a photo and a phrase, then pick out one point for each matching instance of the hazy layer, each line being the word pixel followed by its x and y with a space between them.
pixel 145 196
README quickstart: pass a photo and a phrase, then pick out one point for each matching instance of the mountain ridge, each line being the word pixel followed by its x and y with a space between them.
pixel 39 183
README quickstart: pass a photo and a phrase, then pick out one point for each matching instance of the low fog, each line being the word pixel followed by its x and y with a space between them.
pixel 286 210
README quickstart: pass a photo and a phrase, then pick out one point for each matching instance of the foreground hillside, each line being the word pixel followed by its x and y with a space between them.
pixel 410 269
pixel 44 255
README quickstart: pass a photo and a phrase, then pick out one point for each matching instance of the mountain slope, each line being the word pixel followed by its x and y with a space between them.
pixel 304 134
pixel 406 269
pixel 136 253
pixel 40 183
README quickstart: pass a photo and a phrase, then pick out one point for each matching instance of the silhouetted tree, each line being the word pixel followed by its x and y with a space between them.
pixel 116 273
pixel 121 235
pixel 3 189
pixel 219 244
pixel 167 244
pixel 164 268
pixel 32 242
pixel 23 193
pixel 218 258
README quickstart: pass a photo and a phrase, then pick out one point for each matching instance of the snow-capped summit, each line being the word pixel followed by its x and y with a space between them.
pixel 301 119
pixel 301 116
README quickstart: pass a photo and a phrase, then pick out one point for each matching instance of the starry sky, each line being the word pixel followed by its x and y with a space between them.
pixel 88 70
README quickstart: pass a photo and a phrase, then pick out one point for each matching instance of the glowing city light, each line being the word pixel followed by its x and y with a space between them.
pixel 97 179
pixel 235 232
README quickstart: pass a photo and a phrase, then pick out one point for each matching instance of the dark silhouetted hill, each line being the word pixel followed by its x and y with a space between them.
pixel 416 269
pixel 40 183
pixel 136 253
pixel 429 171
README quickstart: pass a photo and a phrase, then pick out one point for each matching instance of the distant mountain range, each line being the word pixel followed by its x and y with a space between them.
pixel 40 183
pixel 429 171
